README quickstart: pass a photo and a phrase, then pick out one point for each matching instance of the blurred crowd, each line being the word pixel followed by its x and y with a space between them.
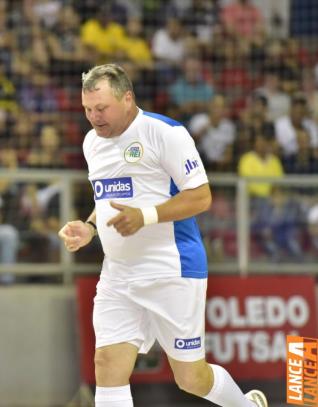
pixel 229 70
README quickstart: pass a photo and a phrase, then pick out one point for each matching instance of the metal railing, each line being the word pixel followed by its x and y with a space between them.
pixel 242 263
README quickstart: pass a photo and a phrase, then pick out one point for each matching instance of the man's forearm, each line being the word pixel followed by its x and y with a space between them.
pixel 185 204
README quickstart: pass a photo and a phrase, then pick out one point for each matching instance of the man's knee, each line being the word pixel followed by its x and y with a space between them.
pixel 107 368
pixel 103 358
pixel 196 380
pixel 111 368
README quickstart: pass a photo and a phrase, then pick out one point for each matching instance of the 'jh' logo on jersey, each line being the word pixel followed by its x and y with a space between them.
pixel 191 165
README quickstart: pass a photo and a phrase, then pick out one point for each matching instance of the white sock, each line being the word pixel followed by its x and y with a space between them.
pixel 113 397
pixel 225 392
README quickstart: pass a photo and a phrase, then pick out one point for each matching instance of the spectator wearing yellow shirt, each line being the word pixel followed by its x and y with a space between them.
pixel 7 92
pixel 134 45
pixel 260 162
pixel 103 34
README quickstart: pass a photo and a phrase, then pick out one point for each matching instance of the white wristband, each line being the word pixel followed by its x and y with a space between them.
pixel 150 215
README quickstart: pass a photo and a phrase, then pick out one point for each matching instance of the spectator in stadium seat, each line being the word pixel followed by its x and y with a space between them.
pixel 256 113
pixel 233 77
pixel 312 226
pixel 290 80
pixel 152 16
pixel 30 41
pixel 168 43
pixel 5 132
pixel 242 20
pixel 218 226
pixel 47 153
pixel 67 52
pixel 8 157
pixel 274 54
pixel 260 162
pixel 7 91
pixel 119 9
pixel 309 87
pixel 144 84
pixel 6 36
pixel 103 33
pixel 276 15
pixel 40 214
pixel 253 119
pixel 22 130
pixel 130 8
pixel 295 55
pixel 199 17
pixel 276 225
pixel 278 101
pixel 287 65
pixel 47 11
pixel 191 93
pixel 286 127
pixel 305 160
pixel 214 135
pixel 134 44
pixel 38 96
pixel 9 235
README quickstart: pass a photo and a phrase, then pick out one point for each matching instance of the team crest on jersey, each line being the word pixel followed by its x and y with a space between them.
pixel 133 152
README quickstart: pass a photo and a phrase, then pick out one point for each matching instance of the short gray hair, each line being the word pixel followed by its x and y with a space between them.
pixel 116 76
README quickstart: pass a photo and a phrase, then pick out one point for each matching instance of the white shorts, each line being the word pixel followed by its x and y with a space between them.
pixel 171 310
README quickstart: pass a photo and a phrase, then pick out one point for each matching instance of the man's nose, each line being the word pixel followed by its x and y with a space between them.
pixel 95 116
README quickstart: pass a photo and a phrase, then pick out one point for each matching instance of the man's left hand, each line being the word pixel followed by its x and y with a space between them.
pixel 128 221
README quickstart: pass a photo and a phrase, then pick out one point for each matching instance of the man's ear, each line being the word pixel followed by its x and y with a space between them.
pixel 129 96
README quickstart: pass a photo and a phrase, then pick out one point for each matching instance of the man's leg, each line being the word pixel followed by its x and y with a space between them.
pixel 211 382
pixel 113 367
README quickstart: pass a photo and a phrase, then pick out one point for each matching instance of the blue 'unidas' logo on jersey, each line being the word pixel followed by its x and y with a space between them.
pixel 113 188
pixel 187 343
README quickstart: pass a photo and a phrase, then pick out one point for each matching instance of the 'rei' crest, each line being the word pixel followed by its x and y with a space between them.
pixel 133 152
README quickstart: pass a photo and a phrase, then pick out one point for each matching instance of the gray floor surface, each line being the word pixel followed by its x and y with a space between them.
pixel 169 396
pixel 199 405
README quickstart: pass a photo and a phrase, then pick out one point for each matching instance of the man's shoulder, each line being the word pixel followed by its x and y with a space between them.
pixel 160 120
pixel 162 131
pixel 89 138
pixel 91 134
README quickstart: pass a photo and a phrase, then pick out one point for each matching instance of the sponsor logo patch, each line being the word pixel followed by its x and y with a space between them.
pixel 302 370
pixel 133 152
pixel 113 188
pixel 190 165
pixel 187 343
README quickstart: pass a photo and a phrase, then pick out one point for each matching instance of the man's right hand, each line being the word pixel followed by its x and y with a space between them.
pixel 76 234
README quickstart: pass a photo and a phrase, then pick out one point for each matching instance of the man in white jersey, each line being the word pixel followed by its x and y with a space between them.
pixel 149 183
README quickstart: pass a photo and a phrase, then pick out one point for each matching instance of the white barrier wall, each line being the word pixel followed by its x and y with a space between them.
pixel 39 363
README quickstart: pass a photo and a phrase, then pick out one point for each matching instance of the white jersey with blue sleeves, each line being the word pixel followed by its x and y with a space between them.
pixel 151 161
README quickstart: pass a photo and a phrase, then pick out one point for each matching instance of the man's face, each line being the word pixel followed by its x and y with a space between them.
pixel 298 112
pixel 107 115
